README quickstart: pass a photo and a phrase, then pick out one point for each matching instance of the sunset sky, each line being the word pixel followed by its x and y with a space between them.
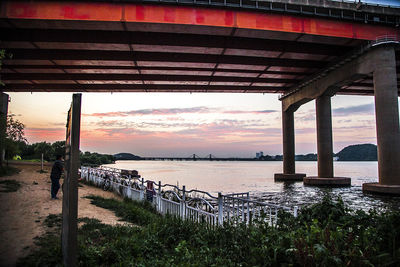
pixel 180 124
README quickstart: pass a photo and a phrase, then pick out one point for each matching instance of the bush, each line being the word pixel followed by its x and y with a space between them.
pixel 325 234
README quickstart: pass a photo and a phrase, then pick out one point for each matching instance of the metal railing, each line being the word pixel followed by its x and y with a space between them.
pixel 194 205
pixel 352 11
pixel 355 53
pixel 385 39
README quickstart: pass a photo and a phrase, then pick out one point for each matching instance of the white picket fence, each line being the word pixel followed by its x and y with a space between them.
pixel 194 205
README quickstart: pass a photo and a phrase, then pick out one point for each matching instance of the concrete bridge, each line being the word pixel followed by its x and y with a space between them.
pixel 305 50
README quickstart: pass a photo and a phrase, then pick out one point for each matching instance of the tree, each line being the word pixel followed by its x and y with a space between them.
pixel 15 139
pixel 45 149
pixel 15 129
pixel 364 152
pixel 58 148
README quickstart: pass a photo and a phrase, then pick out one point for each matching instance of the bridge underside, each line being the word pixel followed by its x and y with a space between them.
pixel 100 47
pixel 160 50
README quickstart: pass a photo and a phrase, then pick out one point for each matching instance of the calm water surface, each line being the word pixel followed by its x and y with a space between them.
pixel 258 179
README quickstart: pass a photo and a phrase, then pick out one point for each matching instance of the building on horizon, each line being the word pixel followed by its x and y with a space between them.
pixel 259 154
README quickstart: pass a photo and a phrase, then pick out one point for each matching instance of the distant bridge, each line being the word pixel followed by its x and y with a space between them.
pixel 195 157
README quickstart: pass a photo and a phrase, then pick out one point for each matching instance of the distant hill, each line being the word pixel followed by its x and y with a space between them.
pixel 365 152
pixel 126 156
pixel 308 157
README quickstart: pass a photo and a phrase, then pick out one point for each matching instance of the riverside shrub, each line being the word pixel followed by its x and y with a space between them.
pixel 325 234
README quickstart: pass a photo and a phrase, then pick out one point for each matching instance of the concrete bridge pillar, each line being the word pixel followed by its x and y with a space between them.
pixel 324 136
pixel 387 124
pixel 325 147
pixel 289 173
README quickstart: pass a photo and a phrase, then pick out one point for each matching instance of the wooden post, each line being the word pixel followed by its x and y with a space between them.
pixel 70 187
pixel 3 125
pixel 42 164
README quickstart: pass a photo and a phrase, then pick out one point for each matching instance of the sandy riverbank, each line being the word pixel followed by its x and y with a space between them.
pixel 23 212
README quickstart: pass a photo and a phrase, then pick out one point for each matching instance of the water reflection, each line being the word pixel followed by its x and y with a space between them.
pixel 257 178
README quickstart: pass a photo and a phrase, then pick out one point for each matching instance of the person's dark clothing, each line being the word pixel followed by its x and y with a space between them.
pixel 55 185
pixel 55 176
pixel 57 169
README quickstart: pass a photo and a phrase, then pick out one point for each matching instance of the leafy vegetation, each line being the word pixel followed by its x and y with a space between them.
pixel 33 153
pixel 53 220
pixel 126 156
pixel 131 211
pixel 325 234
pixel 365 152
pixel 14 136
pixel 307 157
pixel 7 186
pixel 17 147
pixel 95 159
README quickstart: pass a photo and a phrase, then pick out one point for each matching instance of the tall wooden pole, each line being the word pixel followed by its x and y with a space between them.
pixel 3 125
pixel 70 187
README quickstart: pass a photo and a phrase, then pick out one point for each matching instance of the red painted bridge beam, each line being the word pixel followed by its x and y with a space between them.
pixel 167 39
pixel 136 13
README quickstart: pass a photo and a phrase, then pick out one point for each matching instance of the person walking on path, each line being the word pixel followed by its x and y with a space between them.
pixel 55 176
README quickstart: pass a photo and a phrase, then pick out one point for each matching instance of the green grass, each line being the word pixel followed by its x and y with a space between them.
pixel 32 160
pixel 8 171
pixel 53 220
pixel 326 234
pixel 7 186
pixel 140 213
pixel 47 252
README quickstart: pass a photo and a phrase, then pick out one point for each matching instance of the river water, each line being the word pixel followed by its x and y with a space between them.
pixel 257 177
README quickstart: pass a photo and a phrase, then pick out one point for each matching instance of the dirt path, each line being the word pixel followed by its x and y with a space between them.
pixel 23 212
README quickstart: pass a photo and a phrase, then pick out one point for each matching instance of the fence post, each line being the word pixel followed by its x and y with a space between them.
pixel 220 209
pixel 295 211
pixel 243 211
pixel 183 202
pixel 248 212
pixel 142 191
pixel 128 191
pixel 159 197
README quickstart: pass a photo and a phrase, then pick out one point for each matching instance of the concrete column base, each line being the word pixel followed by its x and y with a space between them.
pixel 376 188
pixel 332 181
pixel 289 177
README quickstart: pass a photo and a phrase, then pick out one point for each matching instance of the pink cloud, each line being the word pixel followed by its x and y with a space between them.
pixel 249 112
pixel 45 134
pixel 141 112
pixel 174 111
